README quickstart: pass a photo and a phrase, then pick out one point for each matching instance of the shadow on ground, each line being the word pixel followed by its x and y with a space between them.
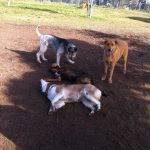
pixel 122 124
pixel 147 20
pixel 38 9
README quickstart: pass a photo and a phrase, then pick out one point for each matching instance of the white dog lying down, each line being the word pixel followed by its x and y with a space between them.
pixel 59 95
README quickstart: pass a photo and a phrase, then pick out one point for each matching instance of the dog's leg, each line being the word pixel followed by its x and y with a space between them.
pixel 58 56
pixel 105 71
pixel 50 111
pixel 89 105
pixel 124 63
pixel 111 73
pixel 38 57
pixel 56 99
pixel 58 105
pixel 124 66
pixel 43 49
pixel 43 57
pixel 93 100
pixel 59 52
pixel 69 60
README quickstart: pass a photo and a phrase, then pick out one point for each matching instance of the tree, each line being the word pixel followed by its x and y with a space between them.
pixel 8 3
pixel 89 7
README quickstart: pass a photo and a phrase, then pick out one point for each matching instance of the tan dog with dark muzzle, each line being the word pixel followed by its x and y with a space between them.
pixel 114 49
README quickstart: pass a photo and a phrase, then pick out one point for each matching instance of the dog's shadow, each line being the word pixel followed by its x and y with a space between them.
pixel 25 122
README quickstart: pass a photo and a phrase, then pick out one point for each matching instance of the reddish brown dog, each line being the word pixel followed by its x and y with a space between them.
pixel 114 49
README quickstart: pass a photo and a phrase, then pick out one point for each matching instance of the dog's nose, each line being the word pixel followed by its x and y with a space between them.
pixel 109 50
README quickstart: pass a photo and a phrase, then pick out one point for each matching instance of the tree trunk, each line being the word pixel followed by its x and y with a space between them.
pixel 8 3
pixel 89 8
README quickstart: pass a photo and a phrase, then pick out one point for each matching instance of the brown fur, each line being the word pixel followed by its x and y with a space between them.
pixel 88 94
pixel 120 49
pixel 83 5
pixel 73 76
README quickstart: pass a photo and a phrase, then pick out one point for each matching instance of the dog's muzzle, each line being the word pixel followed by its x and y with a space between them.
pixel 71 55
pixel 109 52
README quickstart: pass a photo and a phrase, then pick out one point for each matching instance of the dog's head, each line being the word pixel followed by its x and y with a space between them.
pixel 71 52
pixel 56 69
pixel 110 46
pixel 43 85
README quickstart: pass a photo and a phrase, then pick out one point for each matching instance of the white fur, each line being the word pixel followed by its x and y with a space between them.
pixel 43 85
pixel 93 99
pixel 58 99
pixel 55 44
pixel 98 94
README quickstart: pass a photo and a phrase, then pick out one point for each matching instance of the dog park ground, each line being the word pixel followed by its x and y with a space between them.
pixel 124 120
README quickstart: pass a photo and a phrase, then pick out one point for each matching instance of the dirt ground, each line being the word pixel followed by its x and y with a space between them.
pixel 124 120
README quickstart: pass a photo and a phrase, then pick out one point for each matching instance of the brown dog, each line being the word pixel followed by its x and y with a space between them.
pixel 74 76
pixel 114 49
pixel 83 4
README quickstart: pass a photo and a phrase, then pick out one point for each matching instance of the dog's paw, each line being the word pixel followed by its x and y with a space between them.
pixel 50 113
pixel 55 65
pixel 91 113
pixel 39 62
pixel 103 77
pixel 124 72
pixel 44 59
pixel 110 81
pixel 71 61
pixel 98 109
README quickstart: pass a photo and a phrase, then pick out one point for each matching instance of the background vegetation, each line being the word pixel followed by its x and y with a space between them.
pixel 71 16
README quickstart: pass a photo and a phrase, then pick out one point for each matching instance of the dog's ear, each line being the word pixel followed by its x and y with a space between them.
pixel 102 43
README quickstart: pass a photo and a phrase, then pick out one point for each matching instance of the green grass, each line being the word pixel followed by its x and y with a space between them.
pixel 60 14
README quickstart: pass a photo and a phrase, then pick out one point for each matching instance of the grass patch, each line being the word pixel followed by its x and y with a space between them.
pixel 61 14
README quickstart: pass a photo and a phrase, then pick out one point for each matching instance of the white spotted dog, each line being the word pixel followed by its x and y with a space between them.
pixel 59 95
pixel 59 45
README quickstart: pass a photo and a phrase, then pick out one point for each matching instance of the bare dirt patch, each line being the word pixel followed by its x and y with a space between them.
pixel 123 122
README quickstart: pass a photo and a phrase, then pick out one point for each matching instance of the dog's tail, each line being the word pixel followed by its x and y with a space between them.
pixel 38 33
